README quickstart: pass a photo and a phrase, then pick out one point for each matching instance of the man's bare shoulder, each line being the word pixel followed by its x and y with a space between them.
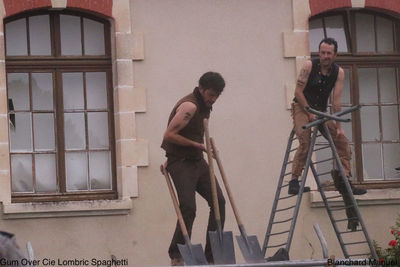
pixel 341 73
pixel 307 65
pixel 187 106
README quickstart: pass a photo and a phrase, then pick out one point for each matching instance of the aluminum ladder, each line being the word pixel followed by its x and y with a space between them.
pixel 285 208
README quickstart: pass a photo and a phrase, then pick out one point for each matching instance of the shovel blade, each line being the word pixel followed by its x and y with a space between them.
pixel 192 254
pixel 222 249
pixel 251 251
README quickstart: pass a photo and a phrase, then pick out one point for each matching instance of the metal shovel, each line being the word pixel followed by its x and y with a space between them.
pixel 191 254
pixel 249 245
pixel 221 242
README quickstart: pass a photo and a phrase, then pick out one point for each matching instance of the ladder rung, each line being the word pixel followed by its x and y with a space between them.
pixel 324 160
pixel 283 221
pixel 355 243
pixel 321 148
pixel 346 219
pixel 286 174
pixel 287 197
pixel 354 255
pixel 341 208
pixel 289 162
pixel 285 185
pixel 337 196
pixel 279 233
pixel 323 173
pixel 348 232
pixel 279 246
pixel 294 149
pixel 285 208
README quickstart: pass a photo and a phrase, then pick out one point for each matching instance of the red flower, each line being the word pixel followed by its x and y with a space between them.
pixel 392 232
pixel 399 232
pixel 393 243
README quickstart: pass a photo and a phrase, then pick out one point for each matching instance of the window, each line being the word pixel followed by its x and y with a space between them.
pixel 60 107
pixel 369 53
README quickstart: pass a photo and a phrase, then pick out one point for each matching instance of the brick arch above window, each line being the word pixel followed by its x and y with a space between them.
pixel 102 7
pixel 321 6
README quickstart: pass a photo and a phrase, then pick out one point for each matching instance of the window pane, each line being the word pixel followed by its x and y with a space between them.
pixel 18 90
pixel 16 41
pixel 372 161
pixel 390 123
pixel 100 170
pixel 43 125
pixel 96 88
pixel 73 90
pixel 70 27
pixel 21 167
pixel 21 134
pixel 335 29
pixel 346 99
pixel 367 80
pixel 384 31
pixel 347 128
pixel 316 34
pixel 39 35
pixel 45 169
pixel 391 158
pixel 76 170
pixel 323 166
pixel 365 33
pixel 370 124
pixel 42 91
pixel 98 129
pixel 74 127
pixel 387 84
pixel 94 37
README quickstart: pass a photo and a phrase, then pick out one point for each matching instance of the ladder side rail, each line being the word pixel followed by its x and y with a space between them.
pixel 303 182
pixel 278 191
pixel 348 188
pixel 328 210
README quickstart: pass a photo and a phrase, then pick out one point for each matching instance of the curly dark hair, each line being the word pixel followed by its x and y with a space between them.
pixel 212 80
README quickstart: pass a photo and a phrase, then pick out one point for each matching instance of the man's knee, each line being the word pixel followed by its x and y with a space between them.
pixel 304 137
pixel 188 210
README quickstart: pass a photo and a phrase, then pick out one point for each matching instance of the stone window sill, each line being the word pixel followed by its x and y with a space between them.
pixel 66 209
pixel 373 197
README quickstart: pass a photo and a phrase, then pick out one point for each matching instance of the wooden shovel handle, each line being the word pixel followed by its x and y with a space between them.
pixel 212 174
pixel 175 201
pixel 225 180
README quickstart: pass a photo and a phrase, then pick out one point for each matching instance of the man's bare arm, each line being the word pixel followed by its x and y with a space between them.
pixel 337 95
pixel 302 82
pixel 184 113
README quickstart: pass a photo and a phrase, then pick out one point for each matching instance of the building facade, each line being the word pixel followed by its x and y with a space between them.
pixel 86 88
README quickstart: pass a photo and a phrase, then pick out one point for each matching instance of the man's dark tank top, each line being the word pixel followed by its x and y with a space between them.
pixel 319 86
pixel 194 130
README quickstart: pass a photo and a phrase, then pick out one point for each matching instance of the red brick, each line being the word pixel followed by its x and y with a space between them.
pixel 99 6
pixel 391 5
pixel 319 6
pixel 13 7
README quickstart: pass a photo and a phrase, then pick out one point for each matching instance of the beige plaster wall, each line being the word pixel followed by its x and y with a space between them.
pixel 243 40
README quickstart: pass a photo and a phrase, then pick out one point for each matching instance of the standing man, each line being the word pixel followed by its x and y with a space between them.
pixel 183 143
pixel 317 79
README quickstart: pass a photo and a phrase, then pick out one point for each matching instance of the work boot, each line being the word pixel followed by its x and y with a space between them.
pixel 177 262
pixel 294 187
pixel 341 187
pixel 357 190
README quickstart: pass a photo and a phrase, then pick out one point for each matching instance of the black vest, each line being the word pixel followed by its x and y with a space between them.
pixel 194 130
pixel 319 86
